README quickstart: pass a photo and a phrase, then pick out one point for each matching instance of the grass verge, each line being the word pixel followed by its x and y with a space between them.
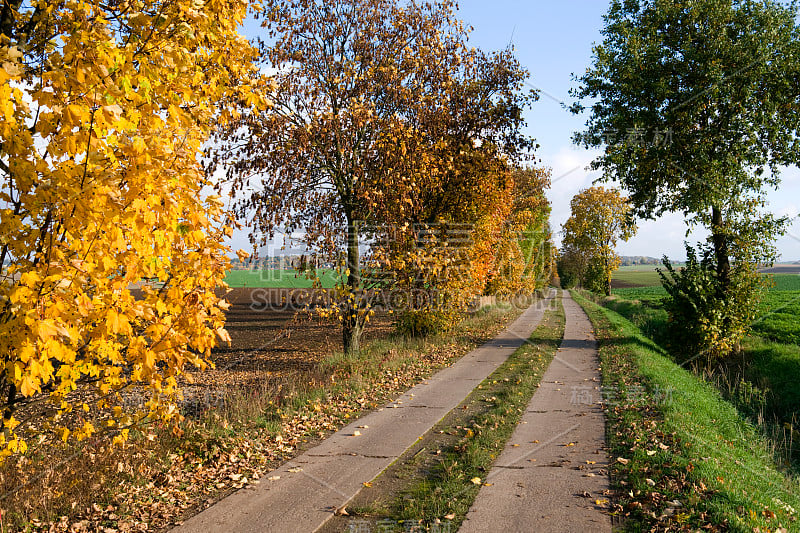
pixel 685 459
pixel 761 380
pixel 432 486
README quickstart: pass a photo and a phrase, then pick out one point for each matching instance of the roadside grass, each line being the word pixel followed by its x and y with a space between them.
pixel 762 380
pixel 165 472
pixel 277 278
pixel 686 459
pixel 432 486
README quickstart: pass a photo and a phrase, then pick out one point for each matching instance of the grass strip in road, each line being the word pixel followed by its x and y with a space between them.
pixel 684 458
pixel 432 486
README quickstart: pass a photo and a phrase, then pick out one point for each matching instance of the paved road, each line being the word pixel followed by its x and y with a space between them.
pixel 554 468
pixel 329 475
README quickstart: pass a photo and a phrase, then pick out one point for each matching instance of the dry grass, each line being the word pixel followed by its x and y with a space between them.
pixel 230 437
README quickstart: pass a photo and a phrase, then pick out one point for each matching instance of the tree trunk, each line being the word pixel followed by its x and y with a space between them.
pixel 352 325
pixel 10 400
pixel 721 251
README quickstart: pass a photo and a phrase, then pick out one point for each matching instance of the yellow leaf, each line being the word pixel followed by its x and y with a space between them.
pixel 139 146
pixel 27 387
pixel 223 335
pixel 46 329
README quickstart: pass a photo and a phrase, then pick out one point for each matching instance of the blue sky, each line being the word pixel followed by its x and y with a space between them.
pixel 553 40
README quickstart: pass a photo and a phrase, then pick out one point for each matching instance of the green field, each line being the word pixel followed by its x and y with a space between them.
pixel 282 279
pixel 643 278
pixel 780 317
pixel 786 282
pixel 648 277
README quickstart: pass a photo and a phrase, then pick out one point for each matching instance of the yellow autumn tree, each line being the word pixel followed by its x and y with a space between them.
pixel 520 255
pixel 600 218
pixel 104 110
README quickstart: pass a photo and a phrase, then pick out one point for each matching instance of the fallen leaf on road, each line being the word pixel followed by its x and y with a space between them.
pixel 367 484
pixel 356 433
pixel 273 478
pixel 295 470
pixel 341 511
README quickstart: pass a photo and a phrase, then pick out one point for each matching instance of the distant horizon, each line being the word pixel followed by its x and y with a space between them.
pixel 285 254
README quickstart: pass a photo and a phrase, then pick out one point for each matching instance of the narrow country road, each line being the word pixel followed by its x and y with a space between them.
pixel 300 495
pixel 553 474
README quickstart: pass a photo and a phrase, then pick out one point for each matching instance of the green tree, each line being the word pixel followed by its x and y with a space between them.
pixel 570 267
pixel 696 104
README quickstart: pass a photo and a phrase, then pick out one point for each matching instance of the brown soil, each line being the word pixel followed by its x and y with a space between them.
pixel 783 269
pixel 619 284
pixel 268 341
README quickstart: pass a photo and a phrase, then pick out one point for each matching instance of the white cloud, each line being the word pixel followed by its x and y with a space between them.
pixel 667 234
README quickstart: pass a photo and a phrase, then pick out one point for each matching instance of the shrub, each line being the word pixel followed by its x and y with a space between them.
pixel 595 278
pixel 422 322
pixel 707 321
